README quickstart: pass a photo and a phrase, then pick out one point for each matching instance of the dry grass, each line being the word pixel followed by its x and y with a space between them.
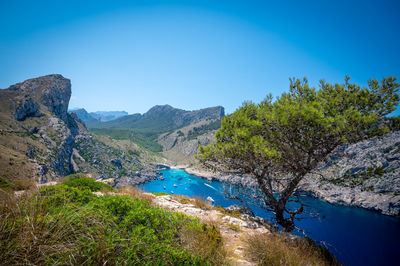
pixel 279 249
pixel 209 246
pixel 134 193
pixel 196 201
pixel 30 236
pixel 224 211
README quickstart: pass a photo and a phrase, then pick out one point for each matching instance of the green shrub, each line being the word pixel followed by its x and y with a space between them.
pixel 88 183
pixel 72 177
pixel 160 193
pixel 4 183
pixel 67 225
pixel 60 195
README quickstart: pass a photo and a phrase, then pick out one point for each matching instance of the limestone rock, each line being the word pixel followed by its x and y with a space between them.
pixel 28 108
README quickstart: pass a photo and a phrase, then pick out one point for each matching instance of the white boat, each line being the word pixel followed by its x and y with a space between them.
pixel 175 185
pixel 209 199
pixel 172 192
pixel 164 187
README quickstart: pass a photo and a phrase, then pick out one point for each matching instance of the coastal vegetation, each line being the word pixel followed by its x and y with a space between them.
pixel 281 249
pixel 68 224
pixel 280 142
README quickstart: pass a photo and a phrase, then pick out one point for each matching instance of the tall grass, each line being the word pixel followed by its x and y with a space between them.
pixel 281 249
pixel 67 225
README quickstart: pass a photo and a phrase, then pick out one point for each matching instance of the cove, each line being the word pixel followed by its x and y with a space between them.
pixel 356 236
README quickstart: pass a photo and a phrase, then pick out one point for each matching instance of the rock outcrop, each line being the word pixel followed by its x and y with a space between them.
pixel 364 174
pixel 28 108
pixel 41 140
pixel 43 102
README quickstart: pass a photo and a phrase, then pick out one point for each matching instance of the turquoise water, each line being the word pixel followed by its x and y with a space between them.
pixel 356 236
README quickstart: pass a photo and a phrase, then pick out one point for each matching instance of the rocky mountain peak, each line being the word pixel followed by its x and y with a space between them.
pixel 159 109
pixel 53 92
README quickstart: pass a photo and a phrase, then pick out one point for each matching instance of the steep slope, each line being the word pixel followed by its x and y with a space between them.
pixel 364 174
pixel 41 141
pixel 180 146
pixel 37 133
pixel 161 119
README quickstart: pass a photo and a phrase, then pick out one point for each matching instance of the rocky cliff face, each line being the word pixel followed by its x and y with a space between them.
pixel 39 139
pixel 181 145
pixel 365 174
pixel 36 114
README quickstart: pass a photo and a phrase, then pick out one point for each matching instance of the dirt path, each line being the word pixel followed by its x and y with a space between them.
pixel 232 229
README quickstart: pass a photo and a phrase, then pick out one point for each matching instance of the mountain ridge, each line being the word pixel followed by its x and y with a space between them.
pixel 164 118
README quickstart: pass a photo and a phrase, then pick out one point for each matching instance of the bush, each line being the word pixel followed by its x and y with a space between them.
pixel 68 224
pixel 4 183
pixel 88 183
pixel 160 193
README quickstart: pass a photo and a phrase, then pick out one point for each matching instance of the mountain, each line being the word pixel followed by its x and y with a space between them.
pixel 163 118
pixel 41 141
pixel 83 115
pixel 37 133
pixel 180 146
pixel 105 116
pixel 93 118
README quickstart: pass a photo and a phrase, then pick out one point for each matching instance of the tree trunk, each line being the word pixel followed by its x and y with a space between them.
pixel 286 223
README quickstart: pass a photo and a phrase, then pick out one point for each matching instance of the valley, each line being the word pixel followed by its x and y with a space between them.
pixel 41 142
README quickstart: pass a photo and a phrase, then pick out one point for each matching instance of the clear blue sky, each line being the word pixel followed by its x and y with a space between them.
pixel 131 55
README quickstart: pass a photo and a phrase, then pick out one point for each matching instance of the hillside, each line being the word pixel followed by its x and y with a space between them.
pixel 41 141
pixel 78 221
pixel 146 129
pixel 164 118
pixel 180 146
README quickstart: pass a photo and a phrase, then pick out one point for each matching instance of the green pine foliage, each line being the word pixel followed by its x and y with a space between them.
pixel 280 142
pixel 394 123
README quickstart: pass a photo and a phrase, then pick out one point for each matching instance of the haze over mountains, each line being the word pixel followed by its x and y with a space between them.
pixel 98 116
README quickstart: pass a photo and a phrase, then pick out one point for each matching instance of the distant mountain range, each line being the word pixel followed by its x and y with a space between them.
pixel 160 118
pixel 145 129
pixel 164 118
pixel 98 116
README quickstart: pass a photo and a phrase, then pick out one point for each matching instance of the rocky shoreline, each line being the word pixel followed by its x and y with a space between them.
pixel 387 204
pixel 364 174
